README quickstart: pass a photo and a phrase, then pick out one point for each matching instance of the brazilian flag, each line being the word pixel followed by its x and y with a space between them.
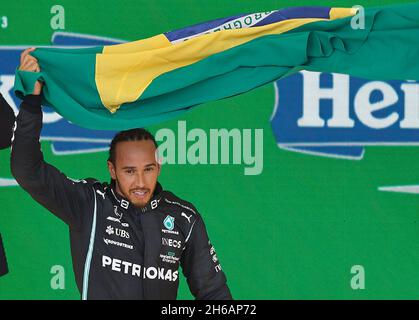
pixel 144 82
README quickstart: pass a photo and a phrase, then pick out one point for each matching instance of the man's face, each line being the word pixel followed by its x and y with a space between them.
pixel 135 170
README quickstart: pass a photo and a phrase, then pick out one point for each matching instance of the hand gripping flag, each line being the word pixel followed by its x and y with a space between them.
pixel 147 81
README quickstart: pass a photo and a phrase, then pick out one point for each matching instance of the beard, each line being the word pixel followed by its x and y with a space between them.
pixel 138 197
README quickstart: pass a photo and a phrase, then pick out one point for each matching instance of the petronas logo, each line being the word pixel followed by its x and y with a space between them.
pixel 169 222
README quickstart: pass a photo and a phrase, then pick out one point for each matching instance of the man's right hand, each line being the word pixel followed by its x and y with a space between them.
pixel 29 63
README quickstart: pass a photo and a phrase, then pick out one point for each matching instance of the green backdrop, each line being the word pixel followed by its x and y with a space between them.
pixel 292 232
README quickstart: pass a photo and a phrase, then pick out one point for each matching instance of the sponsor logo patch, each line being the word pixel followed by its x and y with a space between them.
pixel 169 223
pixel 133 269
pixel 171 242
pixel 169 257
pixel 118 244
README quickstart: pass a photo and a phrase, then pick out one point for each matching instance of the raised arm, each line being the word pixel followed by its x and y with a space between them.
pixel 66 198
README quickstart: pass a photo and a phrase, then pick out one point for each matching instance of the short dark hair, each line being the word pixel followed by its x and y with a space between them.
pixel 129 135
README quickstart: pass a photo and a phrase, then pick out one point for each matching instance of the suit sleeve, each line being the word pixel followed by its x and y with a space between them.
pixel 201 267
pixel 66 198
pixel 3 261
pixel 7 119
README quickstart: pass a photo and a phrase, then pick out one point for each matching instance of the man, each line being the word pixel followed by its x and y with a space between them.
pixel 129 237
pixel 7 119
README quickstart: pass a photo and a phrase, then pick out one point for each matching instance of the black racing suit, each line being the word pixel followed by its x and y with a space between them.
pixel 7 119
pixel 118 251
